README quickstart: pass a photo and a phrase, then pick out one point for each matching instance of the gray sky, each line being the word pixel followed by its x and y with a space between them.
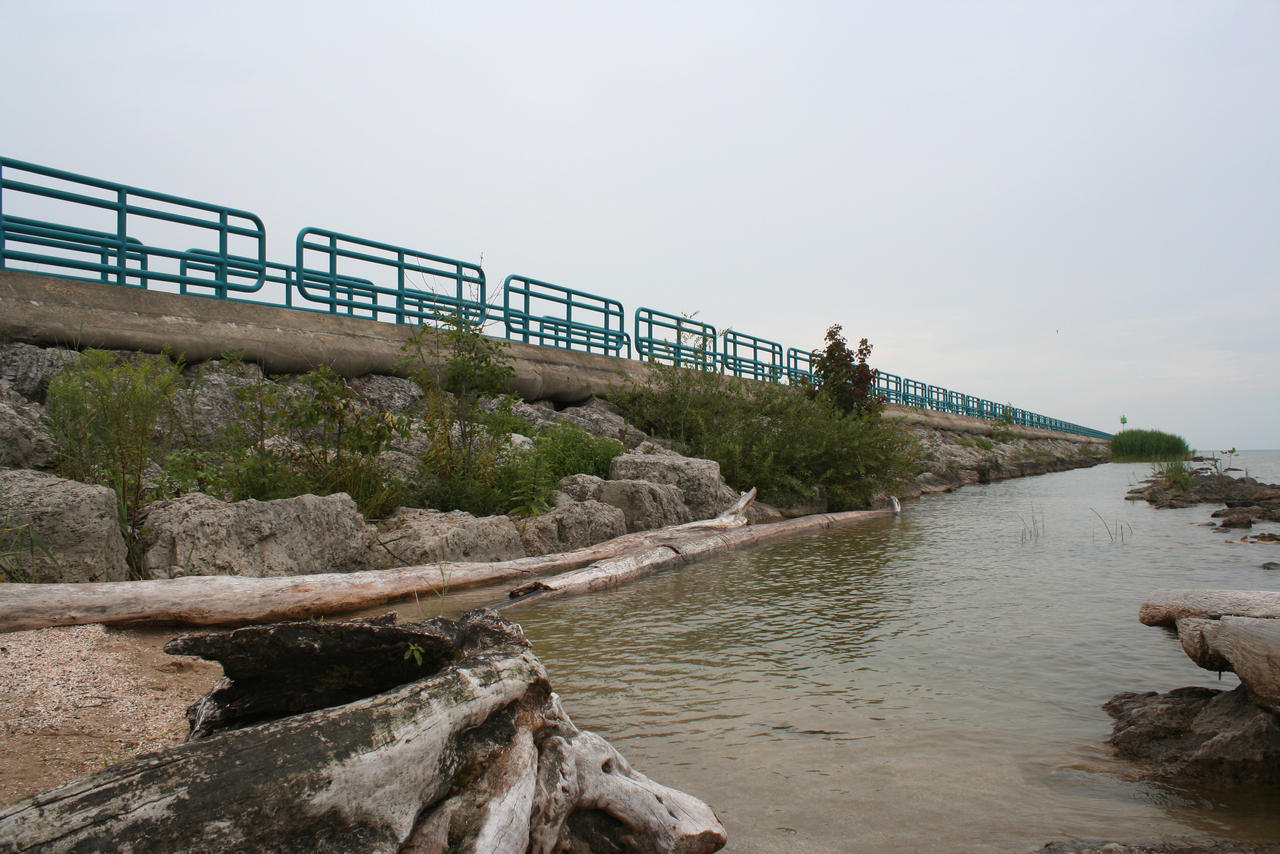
pixel 1070 206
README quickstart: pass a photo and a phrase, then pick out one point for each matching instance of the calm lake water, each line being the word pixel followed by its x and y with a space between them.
pixel 927 683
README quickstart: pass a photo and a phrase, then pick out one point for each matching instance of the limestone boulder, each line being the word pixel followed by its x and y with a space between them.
pixel 596 416
pixel 599 418
pixel 304 535
pixel 580 487
pixel 644 505
pixel 77 523
pixel 209 404
pixel 759 513
pixel 27 369
pixel 387 394
pixel 704 491
pixel 412 537
pixel 23 442
pixel 572 525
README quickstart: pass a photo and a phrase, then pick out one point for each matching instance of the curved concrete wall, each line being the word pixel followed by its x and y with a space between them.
pixel 52 311
pixel 49 311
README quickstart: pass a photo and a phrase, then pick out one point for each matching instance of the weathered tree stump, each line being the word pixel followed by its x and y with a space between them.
pixel 474 755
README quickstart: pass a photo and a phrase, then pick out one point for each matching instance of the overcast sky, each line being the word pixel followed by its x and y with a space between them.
pixel 1070 206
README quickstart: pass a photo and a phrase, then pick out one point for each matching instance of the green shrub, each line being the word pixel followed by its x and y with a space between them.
pixel 790 446
pixel 1148 446
pixel 331 443
pixel 104 412
pixel 568 449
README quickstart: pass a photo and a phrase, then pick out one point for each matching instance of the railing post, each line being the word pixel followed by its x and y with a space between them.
pixel 122 204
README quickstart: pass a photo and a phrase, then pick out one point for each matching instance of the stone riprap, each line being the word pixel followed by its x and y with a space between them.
pixel 649 486
pixel 72 529
pixel 307 534
pixel 413 537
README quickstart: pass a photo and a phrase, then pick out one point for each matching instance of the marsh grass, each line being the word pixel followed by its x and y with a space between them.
pixel 1116 534
pixel 1031 533
pixel 1138 446
pixel 1174 474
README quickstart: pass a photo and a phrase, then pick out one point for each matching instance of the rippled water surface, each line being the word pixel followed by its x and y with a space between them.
pixel 927 683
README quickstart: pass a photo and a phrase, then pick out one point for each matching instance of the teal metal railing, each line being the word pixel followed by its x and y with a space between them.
pixel 326 266
pixel 539 312
pixel 752 357
pixel 69 225
pixel 676 340
pixel 800 367
pixel 52 218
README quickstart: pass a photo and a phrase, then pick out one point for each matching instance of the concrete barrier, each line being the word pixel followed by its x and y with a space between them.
pixel 52 311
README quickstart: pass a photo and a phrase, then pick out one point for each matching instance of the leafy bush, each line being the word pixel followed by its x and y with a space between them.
pixel 568 449
pixel 792 447
pixel 318 437
pixel 1148 446
pixel 844 377
pixel 104 412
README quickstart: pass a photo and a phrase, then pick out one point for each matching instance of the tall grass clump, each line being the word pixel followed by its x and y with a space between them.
pixel 1174 474
pixel 1148 446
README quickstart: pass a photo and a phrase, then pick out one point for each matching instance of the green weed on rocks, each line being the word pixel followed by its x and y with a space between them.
pixel 792 446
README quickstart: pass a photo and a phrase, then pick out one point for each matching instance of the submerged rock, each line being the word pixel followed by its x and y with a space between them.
pixel 1101 847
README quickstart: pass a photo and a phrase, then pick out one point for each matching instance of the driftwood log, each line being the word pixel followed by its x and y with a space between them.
pixel 673 551
pixel 476 755
pixel 1226 630
pixel 222 600
pixel 229 600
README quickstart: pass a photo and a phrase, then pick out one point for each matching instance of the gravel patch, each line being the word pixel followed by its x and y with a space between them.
pixel 75 699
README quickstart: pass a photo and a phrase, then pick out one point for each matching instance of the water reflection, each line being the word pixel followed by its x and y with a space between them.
pixel 926 683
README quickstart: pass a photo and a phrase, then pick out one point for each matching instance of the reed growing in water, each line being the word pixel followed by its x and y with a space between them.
pixel 1148 446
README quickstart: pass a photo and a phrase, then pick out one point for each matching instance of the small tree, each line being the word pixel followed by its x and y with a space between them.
pixel 455 365
pixel 844 377
pixel 104 412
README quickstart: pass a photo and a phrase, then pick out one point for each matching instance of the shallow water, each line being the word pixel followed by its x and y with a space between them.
pixel 926 683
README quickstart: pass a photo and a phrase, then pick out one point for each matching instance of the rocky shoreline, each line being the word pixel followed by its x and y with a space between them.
pixel 648 486
pixel 1247 501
